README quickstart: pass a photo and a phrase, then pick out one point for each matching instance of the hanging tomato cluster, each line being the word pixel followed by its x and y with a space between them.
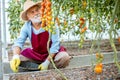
pixel 99 66
pixel 71 11
pixel 82 21
pixel 82 27
pixel 46 15
pixel 82 31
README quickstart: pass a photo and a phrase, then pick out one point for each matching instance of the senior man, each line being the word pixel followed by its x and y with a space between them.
pixel 38 37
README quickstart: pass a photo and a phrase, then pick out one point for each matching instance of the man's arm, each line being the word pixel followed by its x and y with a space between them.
pixel 15 62
pixel 55 42
pixel 18 44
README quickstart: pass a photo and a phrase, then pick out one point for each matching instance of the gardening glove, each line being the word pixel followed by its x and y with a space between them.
pixel 44 65
pixel 15 62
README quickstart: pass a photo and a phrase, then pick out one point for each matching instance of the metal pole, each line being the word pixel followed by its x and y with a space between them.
pixel 2 37
pixel 4 30
pixel 1 65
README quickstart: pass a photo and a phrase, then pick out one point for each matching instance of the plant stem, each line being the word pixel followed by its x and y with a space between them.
pixel 64 77
pixel 110 34
pixel 91 49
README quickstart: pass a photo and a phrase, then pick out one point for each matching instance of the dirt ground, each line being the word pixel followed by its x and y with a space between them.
pixel 110 71
pixel 73 49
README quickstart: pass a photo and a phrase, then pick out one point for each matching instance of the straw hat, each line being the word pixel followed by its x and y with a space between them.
pixel 27 5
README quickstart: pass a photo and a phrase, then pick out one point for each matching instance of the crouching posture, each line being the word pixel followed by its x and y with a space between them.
pixel 38 37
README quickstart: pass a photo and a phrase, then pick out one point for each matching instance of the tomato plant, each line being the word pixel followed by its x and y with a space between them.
pixel 85 13
pixel 76 16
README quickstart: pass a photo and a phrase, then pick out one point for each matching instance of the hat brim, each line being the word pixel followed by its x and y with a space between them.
pixel 23 14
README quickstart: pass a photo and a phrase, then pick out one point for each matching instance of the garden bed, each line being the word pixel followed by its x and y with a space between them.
pixel 74 50
pixel 110 72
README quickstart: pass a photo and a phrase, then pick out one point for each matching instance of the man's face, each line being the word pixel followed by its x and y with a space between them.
pixel 33 14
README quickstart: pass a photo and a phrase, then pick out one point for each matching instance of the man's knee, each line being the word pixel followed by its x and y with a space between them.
pixel 62 59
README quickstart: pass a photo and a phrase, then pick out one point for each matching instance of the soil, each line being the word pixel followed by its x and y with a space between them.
pixel 73 49
pixel 110 71
pixel 104 46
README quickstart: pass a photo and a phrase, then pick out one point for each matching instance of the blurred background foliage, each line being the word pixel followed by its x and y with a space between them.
pixel 77 16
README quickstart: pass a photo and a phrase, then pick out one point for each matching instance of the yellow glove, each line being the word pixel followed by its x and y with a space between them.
pixel 44 65
pixel 14 63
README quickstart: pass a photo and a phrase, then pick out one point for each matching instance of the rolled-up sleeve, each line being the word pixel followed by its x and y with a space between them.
pixel 55 42
pixel 21 39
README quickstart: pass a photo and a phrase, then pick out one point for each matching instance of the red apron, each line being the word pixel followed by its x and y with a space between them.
pixel 39 47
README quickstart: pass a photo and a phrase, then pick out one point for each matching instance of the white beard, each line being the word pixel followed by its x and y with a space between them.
pixel 36 19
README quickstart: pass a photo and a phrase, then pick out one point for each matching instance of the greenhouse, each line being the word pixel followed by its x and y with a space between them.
pixel 59 40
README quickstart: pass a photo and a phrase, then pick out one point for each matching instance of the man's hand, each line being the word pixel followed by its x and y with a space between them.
pixel 44 65
pixel 14 63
